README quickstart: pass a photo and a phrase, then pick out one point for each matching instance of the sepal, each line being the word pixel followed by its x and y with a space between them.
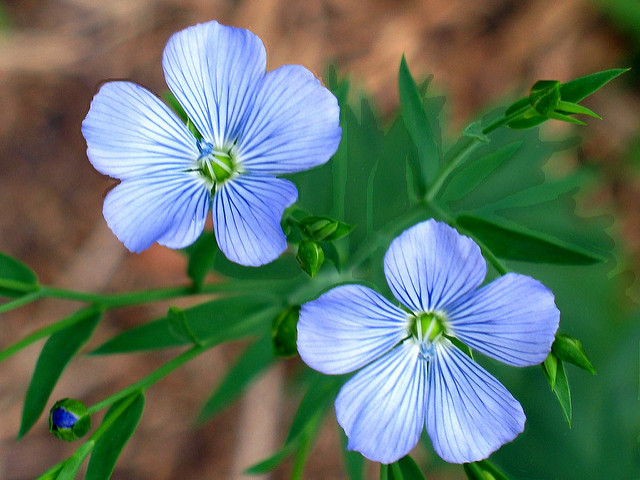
pixel 69 419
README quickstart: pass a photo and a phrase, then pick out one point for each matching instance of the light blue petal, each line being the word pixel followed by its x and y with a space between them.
pixel 382 408
pixel 513 319
pixel 213 71
pixel 294 125
pixel 130 133
pixel 469 413
pixel 431 265
pixel 246 218
pixel 348 327
pixel 169 209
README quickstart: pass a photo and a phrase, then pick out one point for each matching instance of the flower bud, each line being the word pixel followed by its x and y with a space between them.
pixel 545 96
pixel 310 257
pixel 69 420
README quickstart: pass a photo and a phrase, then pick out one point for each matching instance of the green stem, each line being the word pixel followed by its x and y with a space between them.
pixel 20 301
pixel 384 471
pixel 154 376
pixel 46 331
pixel 464 152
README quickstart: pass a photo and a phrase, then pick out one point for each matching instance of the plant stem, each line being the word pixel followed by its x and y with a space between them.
pixel 20 301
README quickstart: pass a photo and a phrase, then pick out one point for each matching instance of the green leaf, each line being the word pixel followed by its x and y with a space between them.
pixel 253 361
pixel 513 242
pixel 580 88
pixel 54 357
pixel 201 256
pixel 566 118
pixel 315 402
pixel 470 175
pixel 405 469
pixel 483 470
pixel 568 107
pixel 220 320
pixel 545 96
pixel 527 122
pixel 70 467
pixel 179 326
pixel 16 278
pixel 521 104
pixel 120 422
pixel 271 463
pixel 310 257
pixel 418 125
pixel 562 391
pixel 284 332
pixel 570 350
pixel 550 368
pixel 353 461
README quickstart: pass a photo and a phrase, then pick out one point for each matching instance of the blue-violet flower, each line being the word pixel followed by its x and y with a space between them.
pixel 254 126
pixel 414 375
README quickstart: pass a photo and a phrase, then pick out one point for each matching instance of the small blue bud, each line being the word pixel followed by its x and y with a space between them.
pixel 69 419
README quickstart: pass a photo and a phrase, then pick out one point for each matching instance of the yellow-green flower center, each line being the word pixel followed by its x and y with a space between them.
pixel 215 164
pixel 428 326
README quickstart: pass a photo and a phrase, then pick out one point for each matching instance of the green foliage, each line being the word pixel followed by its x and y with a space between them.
pixel 54 357
pixel 16 278
pixel 405 469
pixel 483 470
pixel 559 383
pixel 310 257
pixel 81 426
pixel 570 350
pixel 284 332
pixel 117 427
pixel 216 321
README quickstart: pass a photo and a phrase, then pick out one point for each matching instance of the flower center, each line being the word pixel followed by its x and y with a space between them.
pixel 427 327
pixel 216 164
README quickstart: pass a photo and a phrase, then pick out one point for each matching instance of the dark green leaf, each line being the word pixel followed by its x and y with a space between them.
pixel 201 256
pixel 470 175
pixel 120 422
pixel 418 124
pixel 16 278
pixel 562 391
pixel 571 350
pixel 179 326
pixel 253 361
pixel 513 242
pixel 576 90
pixel 54 357
pixel 284 332
pixel 353 461
pixel 568 107
pixel 521 104
pixel 565 118
pixel 405 469
pixel 219 320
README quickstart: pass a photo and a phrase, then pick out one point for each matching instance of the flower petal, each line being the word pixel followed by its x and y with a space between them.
pixel 169 209
pixel 294 125
pixel 513 319
pixel 130 132
pixel 382 408
pixel 246 218
pixel 469 413
pixel 213 71
pixel 348 327
pixel 430 265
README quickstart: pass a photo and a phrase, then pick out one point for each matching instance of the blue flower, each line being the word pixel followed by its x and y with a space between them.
pixel 254 126
pixel 412 374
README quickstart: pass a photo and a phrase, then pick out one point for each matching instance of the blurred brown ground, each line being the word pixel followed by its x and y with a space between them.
pixel 52 59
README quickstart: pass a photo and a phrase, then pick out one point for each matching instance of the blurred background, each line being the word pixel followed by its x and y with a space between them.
pixel 55 53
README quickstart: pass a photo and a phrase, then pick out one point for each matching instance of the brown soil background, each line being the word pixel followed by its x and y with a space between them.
pixel 52 59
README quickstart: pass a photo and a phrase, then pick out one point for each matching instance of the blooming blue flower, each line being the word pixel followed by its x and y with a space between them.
pixel 254 126
pixel 413 375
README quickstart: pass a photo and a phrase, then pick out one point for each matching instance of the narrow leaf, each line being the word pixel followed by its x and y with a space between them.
pixel 550 368
pixel 562 391
pixel 180 327
pixel 253 361
pixel 353 461
pixel 513 242
pixel 72 465
pixel 417 124
pixel 568 107
pixel 121 421
pixel 219 320
pixel 579 88
pixel 54 357
pixel 566 118
pixel 16 278
pixel 201 256
pixel 526 123
pixel 274 461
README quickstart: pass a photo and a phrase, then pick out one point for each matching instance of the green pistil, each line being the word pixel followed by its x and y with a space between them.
pixel 428 326
pixel 217 166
